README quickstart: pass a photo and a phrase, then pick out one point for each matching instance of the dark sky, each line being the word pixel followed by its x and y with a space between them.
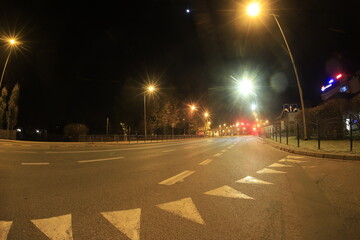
pixel 84 62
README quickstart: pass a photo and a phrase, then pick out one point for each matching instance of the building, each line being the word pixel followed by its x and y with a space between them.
pixel 341 85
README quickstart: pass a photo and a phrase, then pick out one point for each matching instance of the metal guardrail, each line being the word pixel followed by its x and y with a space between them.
pixel 134 138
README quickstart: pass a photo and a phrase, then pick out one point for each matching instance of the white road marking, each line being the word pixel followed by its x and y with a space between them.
pixel 55 228
pixel 184 208
pixel 294 157
pixel 188 147
pixel 166 151
pixel 4 229
pixel 309 166
pixel 226 191
pixel 8 144
pixel 127 221
pixel 24 151
pixel 34 163
pixel 99 160
pixel 25 145
pixel 280 165
pixel 229 147
pixel 268 170
pixel 207 161
pixel 218 155
pixel 249 179
pixel 284 160
pixel 177 178
pixel 223 151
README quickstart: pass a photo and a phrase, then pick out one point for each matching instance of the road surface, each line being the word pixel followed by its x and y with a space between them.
pixel 212 188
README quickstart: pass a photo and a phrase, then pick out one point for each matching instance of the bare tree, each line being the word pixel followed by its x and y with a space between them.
pixel 3 106
pixel 13 109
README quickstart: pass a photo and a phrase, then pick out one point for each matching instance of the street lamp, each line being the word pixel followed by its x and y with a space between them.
pixel 11 42
pixel 253 10
pixel 206 116
pixel 149 89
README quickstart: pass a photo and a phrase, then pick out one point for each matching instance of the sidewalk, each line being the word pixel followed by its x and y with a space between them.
pixel 336 149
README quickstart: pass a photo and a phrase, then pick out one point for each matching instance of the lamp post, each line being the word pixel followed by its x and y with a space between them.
pixel 149 89
pixel 193 108
pixel 253 10
pixel 12 42
pixel 206 115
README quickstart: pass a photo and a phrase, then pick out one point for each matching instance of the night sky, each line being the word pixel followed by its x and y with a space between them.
pixel 84 62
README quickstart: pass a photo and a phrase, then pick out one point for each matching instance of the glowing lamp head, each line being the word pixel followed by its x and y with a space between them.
pixel 12 41
pixel 150 89
pixel 206 114
pixel 339 76
pixel 253 9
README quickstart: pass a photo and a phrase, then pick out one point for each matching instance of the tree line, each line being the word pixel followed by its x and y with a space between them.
pixel 9 109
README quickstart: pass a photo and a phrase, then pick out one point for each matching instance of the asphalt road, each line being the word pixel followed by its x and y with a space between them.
pixel 216 188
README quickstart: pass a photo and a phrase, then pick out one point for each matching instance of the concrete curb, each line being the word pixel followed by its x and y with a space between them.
pixel 311 153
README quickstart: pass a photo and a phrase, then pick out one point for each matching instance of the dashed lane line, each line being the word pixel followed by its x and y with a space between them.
pixel 218 155
pixel 206 162
pixel 99 160
pixel 35 163
pixel 166 151
pixel 177 178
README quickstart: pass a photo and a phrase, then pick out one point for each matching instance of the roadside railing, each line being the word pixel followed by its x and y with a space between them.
pixel 121 138
pixel 336 129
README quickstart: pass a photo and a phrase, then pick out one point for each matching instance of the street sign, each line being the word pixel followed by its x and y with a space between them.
pixel 291 108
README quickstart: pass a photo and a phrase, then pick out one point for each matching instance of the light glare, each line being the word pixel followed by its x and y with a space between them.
pixel 253 9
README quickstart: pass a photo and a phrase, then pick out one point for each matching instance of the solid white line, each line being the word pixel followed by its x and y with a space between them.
pixel 99 160
pixel 206 162
pixel 177 178
pixel 38 163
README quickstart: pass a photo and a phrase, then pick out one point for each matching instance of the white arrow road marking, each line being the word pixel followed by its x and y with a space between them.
pixel 280 165
pixel 249 179
pixel 177 178
pixel 284 160
pixel 294 157
pixel 218 155
pixel 55 228
pixel 99 160
pixel 268 170
pixel 184 208
pixel 127 221
pixel 226 191
pixel 206 162
pixel 4 229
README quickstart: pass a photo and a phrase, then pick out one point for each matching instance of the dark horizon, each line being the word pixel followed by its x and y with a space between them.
pixel 85 63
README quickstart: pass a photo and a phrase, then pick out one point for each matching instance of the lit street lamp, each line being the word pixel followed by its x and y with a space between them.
pixel 12 42
pixel 149 89
pixel 206 115
pixel 253 10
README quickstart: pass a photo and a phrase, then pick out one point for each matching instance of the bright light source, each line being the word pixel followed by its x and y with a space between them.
pixel 18 130
pixel 206 114
pixel 37 131
pixel 187 10
pixel 246 87
pixel 339 76
pixel 12 41
pixel 331 81
pixel 151 88
pixel 253 107
pixel 253 9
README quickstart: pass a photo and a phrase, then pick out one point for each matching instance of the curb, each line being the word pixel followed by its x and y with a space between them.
pixel 312 153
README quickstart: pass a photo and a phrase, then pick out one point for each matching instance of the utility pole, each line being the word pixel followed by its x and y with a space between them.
pixel 107 126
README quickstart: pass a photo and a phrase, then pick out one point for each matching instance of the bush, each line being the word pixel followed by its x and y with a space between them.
pixel 72 131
